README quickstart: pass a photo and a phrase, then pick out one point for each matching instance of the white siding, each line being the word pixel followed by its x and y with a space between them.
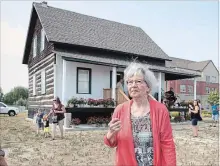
pixel 100 79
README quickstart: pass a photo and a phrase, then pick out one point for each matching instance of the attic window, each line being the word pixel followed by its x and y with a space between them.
pixel 42 42
pixel 35 46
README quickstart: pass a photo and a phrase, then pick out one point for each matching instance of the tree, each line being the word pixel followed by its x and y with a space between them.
pixel 213 98
pixel 1 94
pixel 16 94
pixel 9 98
pixel 20 93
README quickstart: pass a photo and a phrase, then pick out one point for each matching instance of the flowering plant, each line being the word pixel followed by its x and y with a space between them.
pixel 76 121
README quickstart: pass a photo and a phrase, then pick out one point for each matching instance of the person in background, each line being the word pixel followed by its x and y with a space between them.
pixel 140 128
pixel 46 126
pixel 195 117
pixel 119 85
pixel 200 106
pixel 215 115
pixel 39 120
pixel 57 112
pixel 2 158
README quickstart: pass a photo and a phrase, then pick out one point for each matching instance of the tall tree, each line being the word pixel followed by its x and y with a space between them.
pixel 213 98
pixel 16 94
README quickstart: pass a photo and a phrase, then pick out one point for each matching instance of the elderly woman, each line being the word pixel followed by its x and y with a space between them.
pixel 140 128
pixel 57 113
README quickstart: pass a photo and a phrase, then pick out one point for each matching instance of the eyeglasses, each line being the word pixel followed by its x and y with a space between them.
pixel 137 82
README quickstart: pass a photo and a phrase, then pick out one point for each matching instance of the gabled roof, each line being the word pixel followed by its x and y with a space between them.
pixel 64 26
pixel 187 64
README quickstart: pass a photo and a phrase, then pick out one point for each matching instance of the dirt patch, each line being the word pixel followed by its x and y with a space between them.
pixel 87 148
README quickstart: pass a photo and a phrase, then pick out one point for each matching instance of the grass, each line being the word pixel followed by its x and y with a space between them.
pixel 81 148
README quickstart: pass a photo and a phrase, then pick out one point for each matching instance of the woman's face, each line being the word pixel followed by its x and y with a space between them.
pixel 55 101
pixel 137 87
pixel 195 103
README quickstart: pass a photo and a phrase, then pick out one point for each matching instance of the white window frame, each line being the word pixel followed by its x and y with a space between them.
pixel 43 81
pixel 213 79
pixel 34 85
pixel 207 90
pixel 181 90
pixel 208 79
pixel 35 46
pixel 190 89
pixel 42 38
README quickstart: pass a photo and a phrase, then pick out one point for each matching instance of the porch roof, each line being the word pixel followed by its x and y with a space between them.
pixel 170 73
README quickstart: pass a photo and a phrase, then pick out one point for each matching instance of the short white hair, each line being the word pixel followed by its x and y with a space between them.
pixel 142 70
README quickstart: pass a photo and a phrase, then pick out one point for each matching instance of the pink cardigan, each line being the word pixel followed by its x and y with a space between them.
pixel 163 144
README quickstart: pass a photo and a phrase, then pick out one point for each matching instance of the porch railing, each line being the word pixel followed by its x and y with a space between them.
pixel 121 97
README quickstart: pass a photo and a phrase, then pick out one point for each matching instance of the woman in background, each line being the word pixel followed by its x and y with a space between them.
pixel 195 117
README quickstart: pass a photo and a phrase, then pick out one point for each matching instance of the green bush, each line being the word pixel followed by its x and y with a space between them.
pixel 21 102
pixel 174 114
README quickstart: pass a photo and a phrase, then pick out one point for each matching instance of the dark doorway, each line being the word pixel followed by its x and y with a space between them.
pixel 119 76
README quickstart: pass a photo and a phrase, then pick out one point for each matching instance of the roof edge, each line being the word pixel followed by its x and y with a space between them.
pixel 59 43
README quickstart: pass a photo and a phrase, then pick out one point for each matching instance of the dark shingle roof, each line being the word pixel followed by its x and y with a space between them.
pixel 187 64
pixel 73 28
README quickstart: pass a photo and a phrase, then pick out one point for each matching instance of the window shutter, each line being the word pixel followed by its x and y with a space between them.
pixel 34 85
pixel 42 43
pixel 43 82
pixel 35 47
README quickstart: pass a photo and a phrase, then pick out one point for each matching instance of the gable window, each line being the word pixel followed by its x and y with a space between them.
pixel 34 85
pixel 207 79
pixel 213 79
pixel 42 42
pixel 83 81
pixel 182 88
pixel 35 46
pixel 207 90
pixel 190 89
pixel 43 82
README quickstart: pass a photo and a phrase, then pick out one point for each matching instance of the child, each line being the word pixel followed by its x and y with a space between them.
pixel 46 126
pixel 39 120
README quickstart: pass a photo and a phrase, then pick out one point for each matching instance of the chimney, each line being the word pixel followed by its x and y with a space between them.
pixel 44 4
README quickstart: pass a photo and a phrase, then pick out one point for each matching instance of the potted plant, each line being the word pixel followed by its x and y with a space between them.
pixel 72 102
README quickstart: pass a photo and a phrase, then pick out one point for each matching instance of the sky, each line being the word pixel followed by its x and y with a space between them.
pixel 183 29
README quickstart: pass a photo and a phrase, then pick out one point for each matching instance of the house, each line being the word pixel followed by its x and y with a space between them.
pixel 205 84
pixel 71 54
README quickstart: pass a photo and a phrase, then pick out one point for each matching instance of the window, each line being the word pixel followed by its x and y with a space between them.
pixel 42 42
pixel 43 82
pixel 2 105
pixel 213 79
pixel 190 89
pixel 207 78
pixel 34 85
pixel 182 88
pixel 35 46
pixel 83 80
pixel 207 90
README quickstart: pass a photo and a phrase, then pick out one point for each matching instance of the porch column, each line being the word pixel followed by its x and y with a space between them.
pixel 114 82
pixel 159 86
pixel 55 80
pixel 64 83
pixel 194 88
